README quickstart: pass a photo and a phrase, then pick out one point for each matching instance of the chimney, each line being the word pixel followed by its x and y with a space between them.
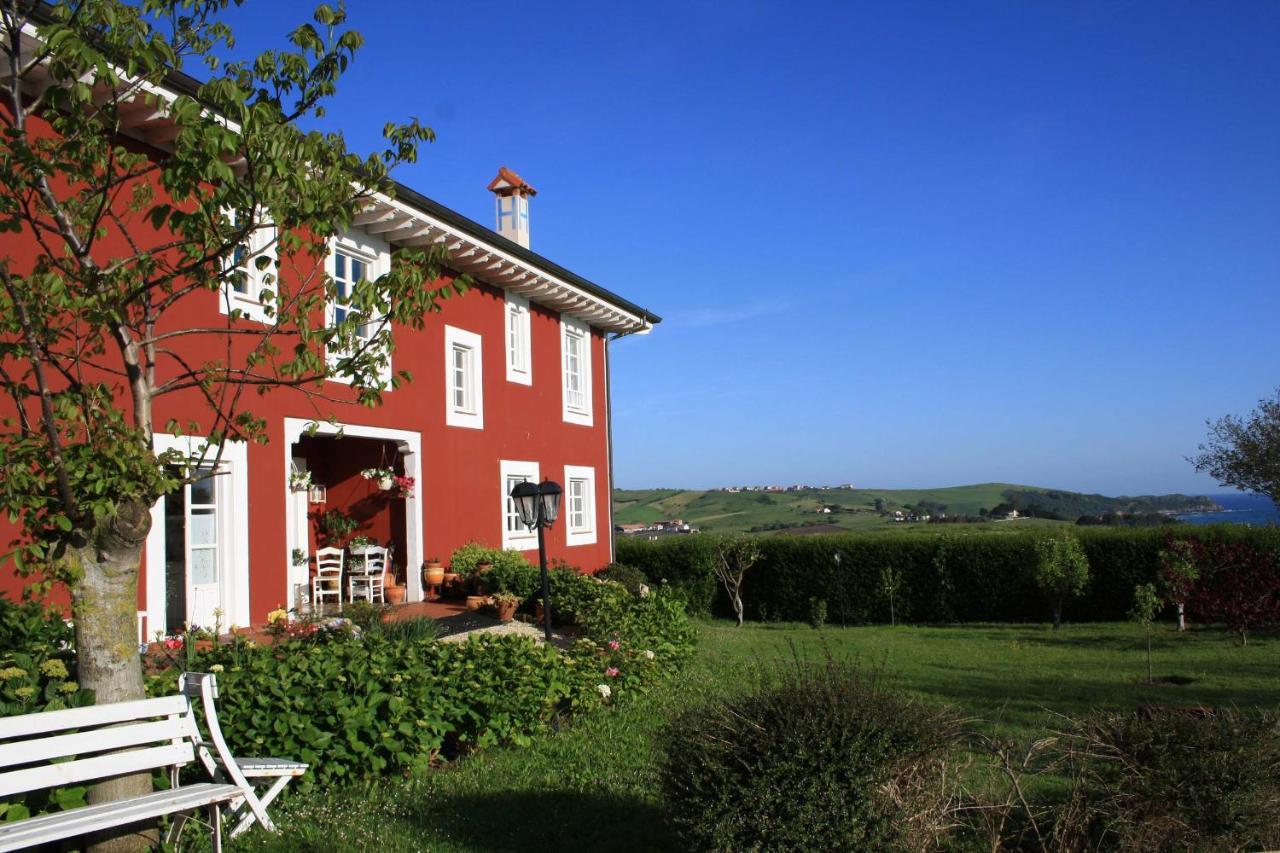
pixel 512 194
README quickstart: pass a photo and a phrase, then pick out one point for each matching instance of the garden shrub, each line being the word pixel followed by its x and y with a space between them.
pixel 817 756
pixel 984 576
pixel 1174 779
pixel 629 576
pixel 363 706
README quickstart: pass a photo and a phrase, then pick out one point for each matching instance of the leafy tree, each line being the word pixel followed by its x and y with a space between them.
pixel 1146 606
pixel 1245 452
pixel 108 241
pixel 1062 571
pixel 735 555
pixel 1178 575
pixel 1238 585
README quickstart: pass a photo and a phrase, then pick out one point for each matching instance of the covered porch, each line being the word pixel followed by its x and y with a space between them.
pixel 352 487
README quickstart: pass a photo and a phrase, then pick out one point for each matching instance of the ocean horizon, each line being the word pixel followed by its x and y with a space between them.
pixel 1237 508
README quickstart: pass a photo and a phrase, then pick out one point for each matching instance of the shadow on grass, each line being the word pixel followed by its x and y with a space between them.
pixel 561 821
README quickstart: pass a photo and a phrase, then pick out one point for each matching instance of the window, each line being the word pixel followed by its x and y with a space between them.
pixel 579 505
pixel 353 258
pixel 519 361
pixel 248 288
pixel 464 403
pixel 575 350
pixel 348 271
pixel 514 534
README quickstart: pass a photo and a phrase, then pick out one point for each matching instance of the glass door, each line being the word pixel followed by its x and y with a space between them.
pixel 193 553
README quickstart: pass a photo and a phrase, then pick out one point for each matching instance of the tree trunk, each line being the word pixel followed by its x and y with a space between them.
pixel 105 610
pixel 737 606
pixel 1056 607
pixel 1182 617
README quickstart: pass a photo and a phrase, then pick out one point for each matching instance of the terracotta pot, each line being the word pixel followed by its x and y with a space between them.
pixel 506 610
pixel 433 574
pixel 396 594
pixel 475 602
pixel 388 579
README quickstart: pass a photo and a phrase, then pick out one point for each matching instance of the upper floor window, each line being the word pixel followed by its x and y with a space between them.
pixel 514 534
pixel 463 381
pixel 355 258
pixel 580 505
pixel 519 354
pixel 250 282
pixel 575 353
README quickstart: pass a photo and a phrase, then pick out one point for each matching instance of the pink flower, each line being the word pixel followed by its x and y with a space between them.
pixel 173 642
pixel 615 645
pixel 612 672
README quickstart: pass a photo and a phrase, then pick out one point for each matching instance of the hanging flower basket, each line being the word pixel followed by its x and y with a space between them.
pixel 299 481
pixel 385 476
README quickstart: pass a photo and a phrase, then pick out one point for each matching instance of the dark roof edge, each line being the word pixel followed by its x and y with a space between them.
pixel 185 84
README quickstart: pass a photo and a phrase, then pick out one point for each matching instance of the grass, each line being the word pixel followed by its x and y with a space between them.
pixel 593 786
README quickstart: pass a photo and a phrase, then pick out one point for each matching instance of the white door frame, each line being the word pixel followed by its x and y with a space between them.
pixel 410 444
pixel 233 494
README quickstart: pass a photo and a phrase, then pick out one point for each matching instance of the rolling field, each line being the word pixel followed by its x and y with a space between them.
pixel 852 509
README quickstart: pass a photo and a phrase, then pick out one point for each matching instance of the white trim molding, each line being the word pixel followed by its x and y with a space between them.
pixel 260 243
pixel 233 532
pixel 519 347
pixel 463 378
pixel 580 530
pixel 410 445
pixel 520 538
pixel 575 371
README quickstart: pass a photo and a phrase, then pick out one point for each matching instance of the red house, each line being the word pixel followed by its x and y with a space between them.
pixel 511 383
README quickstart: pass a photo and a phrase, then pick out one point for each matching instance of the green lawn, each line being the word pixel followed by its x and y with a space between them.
pixel 593 786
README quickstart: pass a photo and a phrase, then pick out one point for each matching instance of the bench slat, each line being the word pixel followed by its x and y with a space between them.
pixel 51 827
pixel 85 744
pixel 43 722
pixel 98 767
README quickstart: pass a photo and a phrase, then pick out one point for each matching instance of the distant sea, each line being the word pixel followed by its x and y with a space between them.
pixel 1237 508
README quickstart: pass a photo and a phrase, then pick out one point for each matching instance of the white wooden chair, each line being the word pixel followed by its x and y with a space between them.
pixel 328 580
pixel 367 583
pixel 281 771
pixel 57 748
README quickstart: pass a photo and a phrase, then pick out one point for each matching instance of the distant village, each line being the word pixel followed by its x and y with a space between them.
pixel 655 529
pixel 796 488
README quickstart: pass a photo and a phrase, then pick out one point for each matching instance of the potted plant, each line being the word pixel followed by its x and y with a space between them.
pixel 505 604
pixel 475 602
pixel 360 544
pixel 396 593
pixel 337 526
pixel 433 572
pixel 403 486
pixel 299 480
pixel 385 477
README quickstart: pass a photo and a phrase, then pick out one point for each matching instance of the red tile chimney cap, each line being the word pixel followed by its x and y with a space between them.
pixel 508 181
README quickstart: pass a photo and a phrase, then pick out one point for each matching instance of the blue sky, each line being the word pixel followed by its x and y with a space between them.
pixel 895 244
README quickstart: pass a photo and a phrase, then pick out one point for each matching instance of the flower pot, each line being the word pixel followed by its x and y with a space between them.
pixel 506 610
pixel 475 602
pixel 433 574
pixel 396 594
pixel 388 579
pixel 385 483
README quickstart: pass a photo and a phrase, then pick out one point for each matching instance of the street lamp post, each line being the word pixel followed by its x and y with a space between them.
pixel 538 505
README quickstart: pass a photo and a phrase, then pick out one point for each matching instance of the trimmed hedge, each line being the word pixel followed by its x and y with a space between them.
pixel 953 577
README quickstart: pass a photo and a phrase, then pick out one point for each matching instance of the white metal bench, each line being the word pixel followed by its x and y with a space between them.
pixel 56 748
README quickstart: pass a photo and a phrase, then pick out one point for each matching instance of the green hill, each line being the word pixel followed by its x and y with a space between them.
pixel 855 509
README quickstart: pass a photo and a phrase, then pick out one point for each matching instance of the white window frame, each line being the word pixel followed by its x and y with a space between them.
pixel 261 243
pixel 584 533
pixel 522 538
pixel 574 413
pixel 472 416
pixel 516 327
pixel 375 254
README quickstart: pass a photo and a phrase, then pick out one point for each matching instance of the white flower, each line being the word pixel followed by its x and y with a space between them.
pixel 648 653
pixel 217 667
pixel 605 692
